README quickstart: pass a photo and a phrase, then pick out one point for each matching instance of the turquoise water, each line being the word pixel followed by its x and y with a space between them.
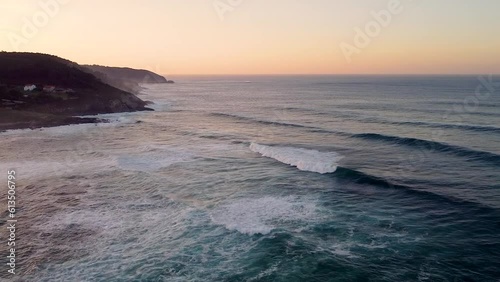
pixel 262 178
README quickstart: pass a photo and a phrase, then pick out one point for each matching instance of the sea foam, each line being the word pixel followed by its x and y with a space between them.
pixel 303 159
pixel 262 215
pixel 152 161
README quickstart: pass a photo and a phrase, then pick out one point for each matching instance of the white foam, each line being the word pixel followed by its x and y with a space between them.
pixel 303 159
pixel 117 118
pixel 160 106
pixel 262 215
pixel 342 250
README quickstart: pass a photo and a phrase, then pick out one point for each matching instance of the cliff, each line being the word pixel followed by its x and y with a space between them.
pixel 127 79
pixel 62 89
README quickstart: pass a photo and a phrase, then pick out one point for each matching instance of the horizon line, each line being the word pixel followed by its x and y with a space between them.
pixel 334 74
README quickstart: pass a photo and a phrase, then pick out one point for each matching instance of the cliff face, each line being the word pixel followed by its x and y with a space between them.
pixel 126 79
pixel 68 89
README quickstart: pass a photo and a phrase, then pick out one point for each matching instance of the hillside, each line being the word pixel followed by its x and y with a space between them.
pixel 61 89
pixel 127 79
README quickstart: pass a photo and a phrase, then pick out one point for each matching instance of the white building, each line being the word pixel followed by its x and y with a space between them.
pixel 29 87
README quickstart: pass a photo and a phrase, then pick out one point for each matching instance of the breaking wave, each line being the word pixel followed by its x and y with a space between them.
pixel 303 159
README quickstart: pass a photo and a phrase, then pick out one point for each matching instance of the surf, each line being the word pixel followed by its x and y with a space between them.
pixel 302 159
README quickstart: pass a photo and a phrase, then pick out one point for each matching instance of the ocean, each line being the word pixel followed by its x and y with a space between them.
pixel 268 178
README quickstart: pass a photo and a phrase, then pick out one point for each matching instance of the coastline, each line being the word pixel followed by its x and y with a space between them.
pixel 40 90
pixel 12 120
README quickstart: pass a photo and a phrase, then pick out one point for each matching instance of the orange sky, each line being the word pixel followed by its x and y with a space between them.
pixel 261 37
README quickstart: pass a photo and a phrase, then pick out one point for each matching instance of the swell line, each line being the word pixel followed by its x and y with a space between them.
pixel 363 178
pixel 428 145
pixel 477 128
pixel 432 146
pixel 267 122
pixel 374 119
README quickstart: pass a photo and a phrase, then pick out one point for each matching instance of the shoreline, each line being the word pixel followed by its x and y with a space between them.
pixel 15 120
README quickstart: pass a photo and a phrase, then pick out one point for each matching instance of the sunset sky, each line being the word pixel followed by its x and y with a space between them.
pixel 260 36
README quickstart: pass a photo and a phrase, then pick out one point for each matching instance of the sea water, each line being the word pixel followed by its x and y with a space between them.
pixel 268 178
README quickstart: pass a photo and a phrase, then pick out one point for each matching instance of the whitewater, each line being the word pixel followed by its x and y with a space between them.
pixel 266 178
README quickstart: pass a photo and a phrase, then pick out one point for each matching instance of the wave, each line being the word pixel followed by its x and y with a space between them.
pixel 426 192
pixel 275 123
pixel 262 215
pixel 432 146
pixel 321 162
pixel 470 127
pixel 380 108
pixel 267 122
pixel 378 120
pixel 326 163
pixel 364 119
pixel 160 106
pixel 458 103
pixel 303 159
pixel 406 141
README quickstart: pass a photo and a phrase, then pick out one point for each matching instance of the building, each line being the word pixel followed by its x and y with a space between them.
pixel 29 87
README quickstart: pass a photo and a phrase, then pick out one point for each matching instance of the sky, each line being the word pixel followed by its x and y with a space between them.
pixel 261 36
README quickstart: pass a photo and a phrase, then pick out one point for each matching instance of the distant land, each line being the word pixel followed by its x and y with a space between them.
pixel 39 90
pixel 124 78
